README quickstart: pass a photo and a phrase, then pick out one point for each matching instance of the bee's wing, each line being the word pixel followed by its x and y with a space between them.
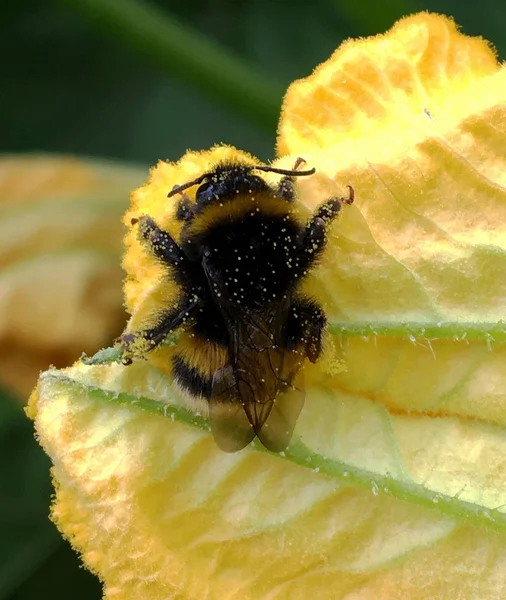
pixel 265 375
pixel 263 396
pixel 230 425
pixel 276 432
pixel 256 394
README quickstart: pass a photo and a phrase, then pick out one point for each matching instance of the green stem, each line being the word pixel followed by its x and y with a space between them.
pixel 182 52
pixel 418 331
pixel 487 332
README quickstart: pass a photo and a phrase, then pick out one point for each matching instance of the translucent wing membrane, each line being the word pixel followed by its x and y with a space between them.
pixel 231 427
pixel 276 432
pixel 256 393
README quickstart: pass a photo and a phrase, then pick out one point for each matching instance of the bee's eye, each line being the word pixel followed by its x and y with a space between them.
pixel 205 194
pixel 205 187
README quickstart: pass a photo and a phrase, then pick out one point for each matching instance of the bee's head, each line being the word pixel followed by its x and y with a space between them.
pixel 229 179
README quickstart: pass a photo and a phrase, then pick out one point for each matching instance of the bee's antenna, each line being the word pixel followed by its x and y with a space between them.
pixel 177 189
pixel 351 195
pixel 289 173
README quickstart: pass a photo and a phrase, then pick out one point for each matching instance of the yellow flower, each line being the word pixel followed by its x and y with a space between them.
pixel 60 239
pixel 395 483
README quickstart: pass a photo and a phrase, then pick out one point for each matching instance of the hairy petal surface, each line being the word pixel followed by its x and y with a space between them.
pixel 369 503
pixel 415 120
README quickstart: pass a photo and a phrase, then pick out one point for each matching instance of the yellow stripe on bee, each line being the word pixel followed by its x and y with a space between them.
pixel 240 206
pixel 204 357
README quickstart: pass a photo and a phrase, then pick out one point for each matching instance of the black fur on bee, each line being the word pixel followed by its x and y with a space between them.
pixel 246 326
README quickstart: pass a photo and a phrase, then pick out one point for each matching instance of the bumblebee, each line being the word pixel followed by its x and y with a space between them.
pixel 246 327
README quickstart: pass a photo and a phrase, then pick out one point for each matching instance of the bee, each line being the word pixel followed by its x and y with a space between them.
pixel 245 325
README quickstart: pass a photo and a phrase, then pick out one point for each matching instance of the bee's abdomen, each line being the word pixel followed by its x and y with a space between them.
pixel 190 379
pixel 195 362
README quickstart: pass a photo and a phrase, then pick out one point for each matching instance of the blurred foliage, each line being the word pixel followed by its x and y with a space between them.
pixel 60 248
pixel 88 77
pixel 34 560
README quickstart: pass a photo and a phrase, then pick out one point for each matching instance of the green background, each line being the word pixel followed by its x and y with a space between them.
pixel 139 81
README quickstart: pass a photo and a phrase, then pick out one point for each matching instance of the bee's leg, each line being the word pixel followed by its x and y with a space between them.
pixel 305 325
pixel 161 244
pixel 331 208
pixel 286 188
pixel 136 344
pixel 184 209
pixel 314 236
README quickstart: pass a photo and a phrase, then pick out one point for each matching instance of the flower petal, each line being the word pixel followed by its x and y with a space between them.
pixel 60 241
pixel 414 120
pixel 420 68
pixel 158 511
